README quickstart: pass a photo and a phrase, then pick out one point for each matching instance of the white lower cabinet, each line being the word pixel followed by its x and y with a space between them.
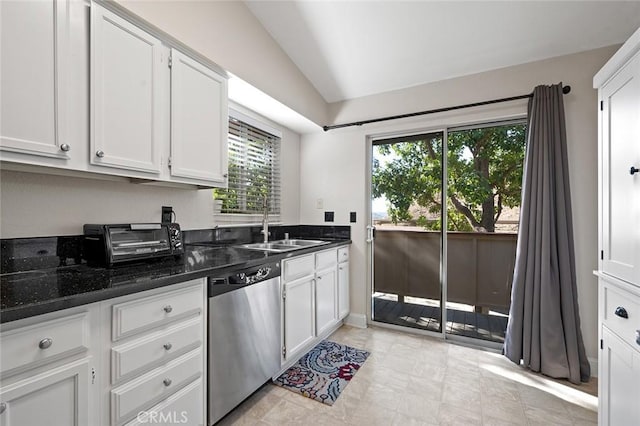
pixel 55 397
pixel 315 299
pixel 156 343
pixel 299 316
pixel 101 364
pixel 620 364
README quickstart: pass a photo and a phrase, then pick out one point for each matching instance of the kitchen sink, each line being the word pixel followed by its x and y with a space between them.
pixel 270 247
pixel 301 243
pixel 283 245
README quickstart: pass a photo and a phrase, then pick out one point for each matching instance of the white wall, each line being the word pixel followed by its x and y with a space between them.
pixel 335 164
pixel 36 204
pixel 231 36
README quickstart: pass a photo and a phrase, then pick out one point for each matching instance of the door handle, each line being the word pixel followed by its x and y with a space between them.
pixel 371 233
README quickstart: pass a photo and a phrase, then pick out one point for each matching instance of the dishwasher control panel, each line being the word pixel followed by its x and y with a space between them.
pixel 243 277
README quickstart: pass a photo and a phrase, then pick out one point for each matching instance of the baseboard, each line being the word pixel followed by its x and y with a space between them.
pixel 593 362
pixel 356 320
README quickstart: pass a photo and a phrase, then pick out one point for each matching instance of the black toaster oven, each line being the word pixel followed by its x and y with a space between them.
pixel 109 245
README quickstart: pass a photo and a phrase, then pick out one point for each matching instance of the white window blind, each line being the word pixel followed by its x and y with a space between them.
pixel 254 170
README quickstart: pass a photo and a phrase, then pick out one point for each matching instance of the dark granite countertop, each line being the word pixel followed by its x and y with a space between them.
pixel 35 292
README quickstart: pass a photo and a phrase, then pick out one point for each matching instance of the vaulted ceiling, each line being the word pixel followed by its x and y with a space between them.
pixel 350 49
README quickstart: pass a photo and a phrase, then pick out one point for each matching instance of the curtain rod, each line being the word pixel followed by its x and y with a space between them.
pixel 565 90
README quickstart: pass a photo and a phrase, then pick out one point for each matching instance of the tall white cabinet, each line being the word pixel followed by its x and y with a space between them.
pixel 618 84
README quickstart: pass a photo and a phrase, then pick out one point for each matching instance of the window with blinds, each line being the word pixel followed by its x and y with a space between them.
pixel 254 171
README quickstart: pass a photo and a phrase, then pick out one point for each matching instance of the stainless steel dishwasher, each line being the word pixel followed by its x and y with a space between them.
pixel 244 335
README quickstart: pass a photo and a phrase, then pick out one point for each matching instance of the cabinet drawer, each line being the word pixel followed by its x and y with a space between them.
pixel 618 299
pixel 184 407
pixel 326 259
pixel 150 351
pixel 39 344
pixel 343 254
pixel 150 389
pixel 143 314
pixel 297 267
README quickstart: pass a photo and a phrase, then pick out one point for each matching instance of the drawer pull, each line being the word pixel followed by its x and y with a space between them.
pixel 621 312
pixel 168 309
pixel 638 337
pixel 167 346
pixel 45 343
pixel 3 407
pixel 167 382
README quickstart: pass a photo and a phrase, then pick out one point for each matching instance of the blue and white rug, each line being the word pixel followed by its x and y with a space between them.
pixel 323 372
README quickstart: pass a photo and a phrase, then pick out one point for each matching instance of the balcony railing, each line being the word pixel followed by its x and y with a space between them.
pixel 479 266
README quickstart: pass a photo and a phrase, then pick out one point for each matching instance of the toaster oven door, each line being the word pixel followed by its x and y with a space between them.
pixel 138 241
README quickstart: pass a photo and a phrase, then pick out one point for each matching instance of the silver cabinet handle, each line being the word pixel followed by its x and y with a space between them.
pixel 3 407
pixel 99 154
pixel 168 309
pixel 45 343
pixel 65 147
pixel 638 337
pixel 167 346
pixel 167 382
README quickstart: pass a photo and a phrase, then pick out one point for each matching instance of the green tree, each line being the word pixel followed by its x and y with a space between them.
pixel 484 176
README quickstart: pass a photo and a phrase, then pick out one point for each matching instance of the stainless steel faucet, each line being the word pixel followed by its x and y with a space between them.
pixel 265 219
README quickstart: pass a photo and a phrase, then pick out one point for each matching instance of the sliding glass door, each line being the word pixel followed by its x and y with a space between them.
pixel 456 282
pixel 406 186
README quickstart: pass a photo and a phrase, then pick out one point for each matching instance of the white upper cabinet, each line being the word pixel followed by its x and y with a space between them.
pixel 620 194
pixel 199 121
pixel 126 94
pixel 33 60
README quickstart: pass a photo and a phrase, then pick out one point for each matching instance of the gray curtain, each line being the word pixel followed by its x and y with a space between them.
pixel 544 324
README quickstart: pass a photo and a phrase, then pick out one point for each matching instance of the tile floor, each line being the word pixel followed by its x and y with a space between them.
pixel 415 380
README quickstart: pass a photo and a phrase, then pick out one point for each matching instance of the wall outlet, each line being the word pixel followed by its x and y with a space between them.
pixel 352 217
pixel 328 216
pixel 319 203
pixel 167 214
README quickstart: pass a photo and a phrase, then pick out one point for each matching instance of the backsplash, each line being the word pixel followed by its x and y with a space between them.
pixel 250 234
pixel 26 254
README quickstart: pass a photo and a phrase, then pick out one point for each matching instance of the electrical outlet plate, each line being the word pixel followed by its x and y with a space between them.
pixel 167 213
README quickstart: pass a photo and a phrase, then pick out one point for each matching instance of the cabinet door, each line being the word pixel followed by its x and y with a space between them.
pixel 299 316
pixel 619 376
pixel 199 121
pixel 126 94
pixel 343 290
pixel 326 300
pixel 620 206
pixel 33 57
pixel 57 397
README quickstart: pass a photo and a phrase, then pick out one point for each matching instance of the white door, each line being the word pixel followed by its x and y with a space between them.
pixel 126 94
pixel 326 300
pixel 199 121
pixel 620 214
pixel 299 315
pixel 33 60
pixel 58 397
pixel 343 290
pixel 619 374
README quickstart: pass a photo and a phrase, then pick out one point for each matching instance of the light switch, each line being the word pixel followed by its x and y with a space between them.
pixel 319 203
